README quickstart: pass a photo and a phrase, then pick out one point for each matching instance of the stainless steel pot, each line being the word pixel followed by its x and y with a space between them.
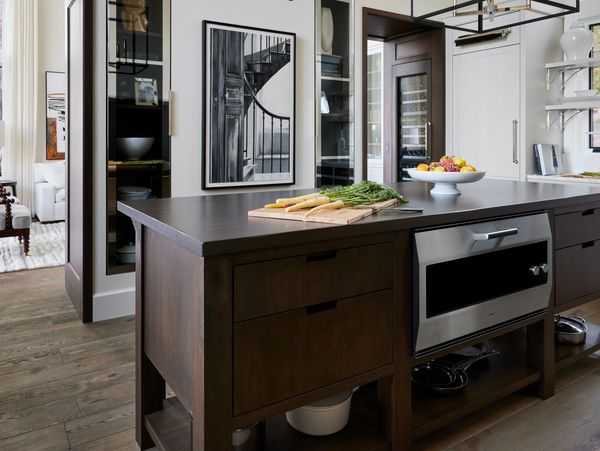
pixel 570 330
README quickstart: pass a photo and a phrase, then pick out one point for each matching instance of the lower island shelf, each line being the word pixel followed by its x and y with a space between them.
pixel 489 380
pixel 567 354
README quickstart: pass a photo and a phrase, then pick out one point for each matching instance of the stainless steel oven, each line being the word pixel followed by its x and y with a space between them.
pixel 477 276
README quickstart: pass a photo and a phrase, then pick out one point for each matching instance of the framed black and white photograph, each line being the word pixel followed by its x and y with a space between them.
pixel 146 91
pixel 249 106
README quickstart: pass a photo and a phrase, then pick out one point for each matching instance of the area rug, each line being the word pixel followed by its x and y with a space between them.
pixel 47 249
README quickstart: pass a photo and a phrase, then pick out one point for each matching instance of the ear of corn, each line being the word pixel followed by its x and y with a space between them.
pixel 308 204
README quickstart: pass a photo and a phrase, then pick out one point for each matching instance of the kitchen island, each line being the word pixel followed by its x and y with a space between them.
pixel 247 318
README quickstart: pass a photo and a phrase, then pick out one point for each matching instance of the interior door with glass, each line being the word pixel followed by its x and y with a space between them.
pixel 412 116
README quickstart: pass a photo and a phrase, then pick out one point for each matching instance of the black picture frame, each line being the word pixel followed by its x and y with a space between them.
pixel 249 128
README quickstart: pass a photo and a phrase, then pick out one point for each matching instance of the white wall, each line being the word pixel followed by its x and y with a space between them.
pixel 296 17
pixel 51 57
pixel 578 155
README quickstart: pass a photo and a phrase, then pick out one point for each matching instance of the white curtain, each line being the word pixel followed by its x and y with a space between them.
pixel 20 74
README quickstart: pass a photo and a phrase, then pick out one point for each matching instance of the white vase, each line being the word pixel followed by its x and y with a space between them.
pixel 326 31
pixel 577 42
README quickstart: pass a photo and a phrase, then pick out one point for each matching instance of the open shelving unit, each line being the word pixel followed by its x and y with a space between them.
pixel 489 380
pixel 567 354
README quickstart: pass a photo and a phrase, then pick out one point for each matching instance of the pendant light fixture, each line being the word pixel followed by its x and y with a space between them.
pixel 478 16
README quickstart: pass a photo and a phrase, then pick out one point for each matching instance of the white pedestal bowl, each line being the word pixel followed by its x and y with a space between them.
pixel 445 182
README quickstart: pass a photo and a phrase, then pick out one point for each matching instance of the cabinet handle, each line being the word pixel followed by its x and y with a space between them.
pixel 587 212
pixel 588 244
pixel 427 148
pixel 170 100
pixel 313 309
pixel 321 256
pixel 515 141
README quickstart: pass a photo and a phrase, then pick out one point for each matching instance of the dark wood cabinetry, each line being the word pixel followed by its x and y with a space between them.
pixel 577 244
pixel 248 321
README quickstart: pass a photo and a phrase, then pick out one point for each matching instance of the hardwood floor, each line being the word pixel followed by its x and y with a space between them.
pixel 65 385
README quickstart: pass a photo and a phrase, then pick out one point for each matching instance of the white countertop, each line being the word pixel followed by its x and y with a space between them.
pixel 562 180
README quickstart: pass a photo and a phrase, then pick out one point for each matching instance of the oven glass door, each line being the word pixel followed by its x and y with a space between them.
pixel 456 284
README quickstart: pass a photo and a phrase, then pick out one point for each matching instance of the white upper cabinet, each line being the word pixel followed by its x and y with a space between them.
pixel 486 93
pixel 496 98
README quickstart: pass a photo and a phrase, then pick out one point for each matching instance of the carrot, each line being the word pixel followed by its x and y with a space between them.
pixel 308 204
pixel 279 205
pixel 330 206
pixel 296 200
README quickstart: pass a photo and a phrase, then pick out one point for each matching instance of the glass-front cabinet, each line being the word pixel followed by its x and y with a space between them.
pixel 335 92
pixel 138 139
pixel 413 105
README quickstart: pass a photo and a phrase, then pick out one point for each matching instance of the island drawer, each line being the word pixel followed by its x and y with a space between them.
pixel 576 271
pixel 285 284
pixel 576 228
pixel 281 356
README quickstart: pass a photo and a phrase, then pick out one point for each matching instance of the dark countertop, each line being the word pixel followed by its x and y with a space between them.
pixel 219 224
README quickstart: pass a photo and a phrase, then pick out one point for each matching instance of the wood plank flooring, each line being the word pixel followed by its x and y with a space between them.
pixel 65 385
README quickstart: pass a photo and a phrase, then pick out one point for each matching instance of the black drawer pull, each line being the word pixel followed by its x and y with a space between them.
pixel 587 212
pixel 313 309
pixel 330 255
pixel 588 244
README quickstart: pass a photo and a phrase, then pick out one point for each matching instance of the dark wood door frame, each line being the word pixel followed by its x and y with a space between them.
pixel 79 177
pixel 385 26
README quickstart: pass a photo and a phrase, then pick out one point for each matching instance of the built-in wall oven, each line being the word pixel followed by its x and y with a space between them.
pixel 474 277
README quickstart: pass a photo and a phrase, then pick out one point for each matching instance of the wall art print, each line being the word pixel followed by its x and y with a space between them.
pixel 249 106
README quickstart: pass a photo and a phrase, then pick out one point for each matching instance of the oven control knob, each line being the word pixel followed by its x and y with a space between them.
pixel 545 268
pixel 535 270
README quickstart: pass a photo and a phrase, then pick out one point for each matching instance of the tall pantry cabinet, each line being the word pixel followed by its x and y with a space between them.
pixel 496 96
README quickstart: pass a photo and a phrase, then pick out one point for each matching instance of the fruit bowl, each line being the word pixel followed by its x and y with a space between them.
pixel 445 182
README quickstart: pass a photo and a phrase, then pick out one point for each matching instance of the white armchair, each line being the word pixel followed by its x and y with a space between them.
pixel 49 200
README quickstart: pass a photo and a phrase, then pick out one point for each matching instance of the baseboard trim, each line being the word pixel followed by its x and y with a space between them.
pixel 114 304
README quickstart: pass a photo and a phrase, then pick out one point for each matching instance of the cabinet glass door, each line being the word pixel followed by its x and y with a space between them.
pixel 413 97
pixel 334 153
pixel 138 151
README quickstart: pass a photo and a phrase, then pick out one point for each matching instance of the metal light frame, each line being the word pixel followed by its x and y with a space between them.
pixel 485 7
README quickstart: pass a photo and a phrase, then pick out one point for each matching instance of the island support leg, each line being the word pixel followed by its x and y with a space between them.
pixel 149 384
pixel 540 354
pixel 394 393
pixel 213 358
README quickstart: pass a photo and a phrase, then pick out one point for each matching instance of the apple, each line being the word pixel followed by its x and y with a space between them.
pixel 468 169
pixel 434 165
pixel 452 168
pixel 439 169
pixel 460 162
pixel 447 159
pixel 423 167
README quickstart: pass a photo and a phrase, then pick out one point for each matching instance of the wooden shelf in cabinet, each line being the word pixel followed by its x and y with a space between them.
pixel 361 433
pixel 170 428
pixel 565 355
pixel 502 375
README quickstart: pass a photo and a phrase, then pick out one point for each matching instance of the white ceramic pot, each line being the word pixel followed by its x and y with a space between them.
pixel 134 148
pixel 577 42
pixel 324 417
pixel 326 31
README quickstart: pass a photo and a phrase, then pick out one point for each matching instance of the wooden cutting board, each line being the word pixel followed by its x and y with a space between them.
pixel 579 176
pixel 344 215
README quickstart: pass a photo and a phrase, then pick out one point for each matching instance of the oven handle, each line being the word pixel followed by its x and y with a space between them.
pixel 495 235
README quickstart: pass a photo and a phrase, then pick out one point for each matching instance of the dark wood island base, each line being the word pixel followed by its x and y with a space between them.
pixel 248 318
